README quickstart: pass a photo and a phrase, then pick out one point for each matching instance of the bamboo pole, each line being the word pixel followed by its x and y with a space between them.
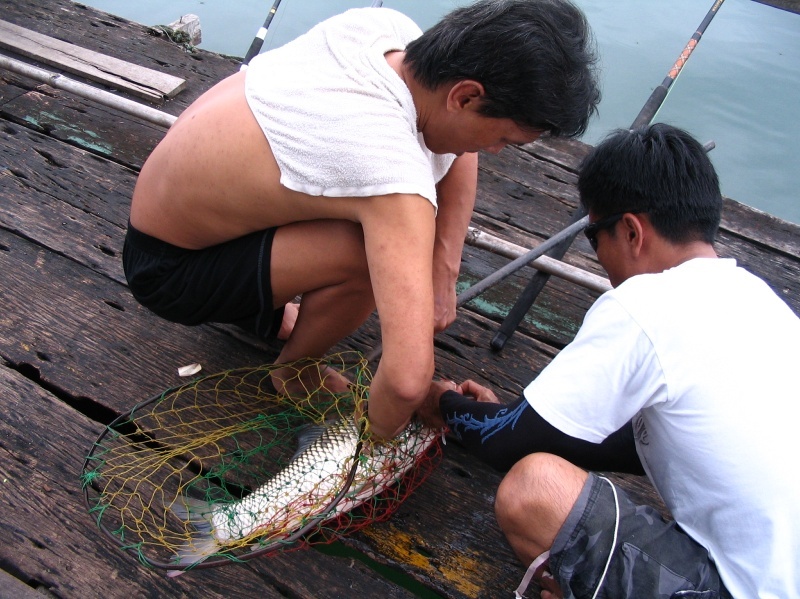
pixel 568 272
pixel 89 92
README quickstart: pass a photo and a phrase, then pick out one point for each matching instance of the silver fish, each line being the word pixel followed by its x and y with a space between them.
pixel 303 489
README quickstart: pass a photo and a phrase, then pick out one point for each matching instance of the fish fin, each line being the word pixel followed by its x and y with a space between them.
pixel 196 512
pixel 203 545
pixel 193 553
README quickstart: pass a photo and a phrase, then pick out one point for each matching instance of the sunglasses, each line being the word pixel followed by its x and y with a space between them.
pixel 594 228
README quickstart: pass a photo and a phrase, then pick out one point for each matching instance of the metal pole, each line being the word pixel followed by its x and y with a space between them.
pixel 523 260
pixel 525 300
pixel 574 274
pixel 507 270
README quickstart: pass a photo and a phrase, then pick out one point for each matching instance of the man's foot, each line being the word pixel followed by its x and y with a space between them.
pixel 289 318
pixel 305 378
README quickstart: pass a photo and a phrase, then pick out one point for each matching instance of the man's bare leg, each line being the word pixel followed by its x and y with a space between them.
pixel 324 261
pixel 533 502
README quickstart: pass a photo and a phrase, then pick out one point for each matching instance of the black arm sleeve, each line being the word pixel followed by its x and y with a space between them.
pixel 501 435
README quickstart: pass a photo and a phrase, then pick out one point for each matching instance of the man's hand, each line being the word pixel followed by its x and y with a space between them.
pixel 428 413
pixel 479 392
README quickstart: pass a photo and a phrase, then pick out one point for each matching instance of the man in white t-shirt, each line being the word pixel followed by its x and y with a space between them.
pixel 342 167
pixel 685 371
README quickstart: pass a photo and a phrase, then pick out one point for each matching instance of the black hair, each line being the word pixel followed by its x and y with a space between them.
pixel 661 171
pixel 534 58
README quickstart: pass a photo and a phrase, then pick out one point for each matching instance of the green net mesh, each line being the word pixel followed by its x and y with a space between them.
pixel 225 468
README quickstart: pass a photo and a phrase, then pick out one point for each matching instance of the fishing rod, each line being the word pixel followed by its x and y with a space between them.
pixel 659 94
pixel 261 34
pixel 645 116
pixel 258 40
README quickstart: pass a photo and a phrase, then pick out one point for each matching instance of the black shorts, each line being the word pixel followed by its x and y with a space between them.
pixel 628 551
pixel 225 283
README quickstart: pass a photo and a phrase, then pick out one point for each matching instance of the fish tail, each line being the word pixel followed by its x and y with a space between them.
pixel 204 544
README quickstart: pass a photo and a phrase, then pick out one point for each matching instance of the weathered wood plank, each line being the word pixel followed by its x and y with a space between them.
pixel 13 588
pixel 83 333
pixel 467 554
pixel 132 42
pixel 40 201
pixel 790 5
pixel 11 87
pixel 104 131
pixel 139 81
pixel 760 228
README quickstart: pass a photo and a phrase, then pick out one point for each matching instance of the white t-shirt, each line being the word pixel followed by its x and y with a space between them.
pixel 704 359
pixel 339 119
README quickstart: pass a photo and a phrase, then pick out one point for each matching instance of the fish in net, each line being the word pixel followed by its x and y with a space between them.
pixel 224 468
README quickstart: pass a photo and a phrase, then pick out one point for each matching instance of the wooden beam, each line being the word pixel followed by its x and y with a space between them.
pixel 788 5
pixel 137 80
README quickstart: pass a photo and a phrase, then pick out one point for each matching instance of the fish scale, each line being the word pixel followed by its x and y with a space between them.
pixel 323 466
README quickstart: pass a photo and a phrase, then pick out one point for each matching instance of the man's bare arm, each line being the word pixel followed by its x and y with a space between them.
pixel 456 199
pixel 399 234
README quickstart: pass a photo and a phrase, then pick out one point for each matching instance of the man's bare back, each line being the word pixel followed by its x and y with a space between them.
pixel 223 179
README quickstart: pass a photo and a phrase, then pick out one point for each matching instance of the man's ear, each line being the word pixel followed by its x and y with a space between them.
pixel 465 94
pixel 633 230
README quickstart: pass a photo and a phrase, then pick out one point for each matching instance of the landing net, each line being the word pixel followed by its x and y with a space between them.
pixel 205 474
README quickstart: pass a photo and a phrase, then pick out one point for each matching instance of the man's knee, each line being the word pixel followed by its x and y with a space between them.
pixel 538 492
pixel 521 489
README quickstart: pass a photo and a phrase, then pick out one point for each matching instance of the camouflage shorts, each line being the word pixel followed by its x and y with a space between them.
pixel 650 557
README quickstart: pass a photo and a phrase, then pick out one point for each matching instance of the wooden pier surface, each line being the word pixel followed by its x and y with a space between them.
pixel 76 349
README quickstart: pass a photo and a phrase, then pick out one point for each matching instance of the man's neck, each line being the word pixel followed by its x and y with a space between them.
pixel 677 254
pixel 421 97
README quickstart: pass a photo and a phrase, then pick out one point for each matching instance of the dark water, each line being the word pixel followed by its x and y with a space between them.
pixel 740 88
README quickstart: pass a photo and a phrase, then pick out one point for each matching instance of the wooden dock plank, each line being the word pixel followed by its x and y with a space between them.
pixel 100 130
pixel 108 34
pixel 789 5
pixel 139 81
pixel 80 332
pixel 40 184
